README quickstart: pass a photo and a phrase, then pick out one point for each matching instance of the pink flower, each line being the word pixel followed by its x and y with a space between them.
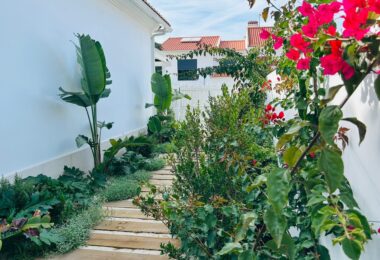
pixel 336 47
pixel 297 41
pixel 331 64
pixel 310 29
pixel 281 115
pixel 303 64
pixel 306 9
pixel 331 30
pixel 278 41
pixel 264 34
pixel 374 6
pixel 347 71
pixel 293 54
pixel 354 23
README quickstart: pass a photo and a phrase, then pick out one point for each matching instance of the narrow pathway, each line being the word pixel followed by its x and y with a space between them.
pixel 126 233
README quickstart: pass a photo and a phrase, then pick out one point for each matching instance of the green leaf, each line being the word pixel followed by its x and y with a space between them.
pixel 258 182
pixel 329 123
pixel 332 93
pixel 360 125
pixel 77 98
pixel 245 222
pixel 265 14
pixel 154 124
pixel 363 221
pixel 82 140
pixel 323 253
pixel 287 247
pixel 1 244
pixel 347 196
pixel 351 248
pixel 291 155
pixel 331 163
pixel 230 248
pixel 247 255
pixel 278 188
pixel 93 66
pixel 276 224
pixel 321 220
pixel 161 87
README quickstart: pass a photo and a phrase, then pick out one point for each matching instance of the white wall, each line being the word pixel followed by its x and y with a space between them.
pixel 362 164
pixel 37 57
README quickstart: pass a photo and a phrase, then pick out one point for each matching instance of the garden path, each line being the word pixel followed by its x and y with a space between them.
pixel 126 233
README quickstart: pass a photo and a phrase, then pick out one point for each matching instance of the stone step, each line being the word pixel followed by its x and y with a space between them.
pixel 128 241
pixel 125 213
pixel 133 226
pixel 120 204
pixel 90 254
pixel 163 177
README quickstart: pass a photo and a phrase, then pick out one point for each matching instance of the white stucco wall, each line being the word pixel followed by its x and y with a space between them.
pixel 37 57
pixel 362 165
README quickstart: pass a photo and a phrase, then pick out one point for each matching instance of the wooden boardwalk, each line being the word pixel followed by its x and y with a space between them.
pixel 126 233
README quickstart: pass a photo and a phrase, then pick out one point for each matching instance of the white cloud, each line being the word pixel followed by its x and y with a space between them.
pixel 227 18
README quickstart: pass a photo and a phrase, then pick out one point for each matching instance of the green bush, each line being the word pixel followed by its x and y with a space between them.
pixel 154 164
pixel 125 187
pixel 164 148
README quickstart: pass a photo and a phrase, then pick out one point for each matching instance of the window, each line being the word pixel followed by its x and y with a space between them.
pixel 187 70
pixel 159 69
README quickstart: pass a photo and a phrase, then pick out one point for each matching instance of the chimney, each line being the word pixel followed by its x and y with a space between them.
pixel 252 24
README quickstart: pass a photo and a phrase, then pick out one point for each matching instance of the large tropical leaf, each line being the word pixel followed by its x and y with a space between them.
pixel 76 98
pixel 94 70
pixel 161 87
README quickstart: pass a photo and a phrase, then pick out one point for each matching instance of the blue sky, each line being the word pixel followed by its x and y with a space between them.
pixel 227 18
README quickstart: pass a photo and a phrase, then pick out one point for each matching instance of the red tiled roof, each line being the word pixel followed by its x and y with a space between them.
pixel 155 10
pixel 254 39
pixel 177 44
pixel 238 45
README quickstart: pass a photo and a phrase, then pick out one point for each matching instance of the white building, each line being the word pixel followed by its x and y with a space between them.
pixel 37 57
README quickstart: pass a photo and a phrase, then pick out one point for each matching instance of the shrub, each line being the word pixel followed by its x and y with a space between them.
pixel 76 230
pixel 154 164
pixel 164 148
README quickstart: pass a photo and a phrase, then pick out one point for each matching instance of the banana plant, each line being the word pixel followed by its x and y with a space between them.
pixel 164 95
pixel 95 78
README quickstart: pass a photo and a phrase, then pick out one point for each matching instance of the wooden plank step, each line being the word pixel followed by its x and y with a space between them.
pixel 133 226
pixel 127 241
pixel 163 172
pixel 120 204
pixel 125 213
pixel 161 182
pixel 89 254
pixel 163 177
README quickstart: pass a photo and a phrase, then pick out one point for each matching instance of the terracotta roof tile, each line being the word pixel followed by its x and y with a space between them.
pixel 238 45
pixel 254 39
pixel 185 43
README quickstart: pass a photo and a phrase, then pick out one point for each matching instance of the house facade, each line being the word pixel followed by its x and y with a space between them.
pixel 183 71
pixel 38 56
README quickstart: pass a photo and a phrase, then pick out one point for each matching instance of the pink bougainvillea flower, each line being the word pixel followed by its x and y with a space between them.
pixel 347 71
pixel 354 23
pixel 293 54
pixel 331 30
pixel 265 34
pixel 281 115
pixel 306 9
pixel 310 29
pixel 297 41
pixel 303 64
pixel 278 41
pixel 374 6
pixel 331 64
pixel 268 108
pixel 336 47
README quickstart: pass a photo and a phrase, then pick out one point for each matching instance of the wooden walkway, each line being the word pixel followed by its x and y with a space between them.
pixel 126 233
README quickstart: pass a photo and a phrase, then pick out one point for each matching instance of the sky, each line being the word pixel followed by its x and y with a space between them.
pixel 226 18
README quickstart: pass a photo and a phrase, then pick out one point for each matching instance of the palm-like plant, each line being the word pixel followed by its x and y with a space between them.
pixel 95 78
